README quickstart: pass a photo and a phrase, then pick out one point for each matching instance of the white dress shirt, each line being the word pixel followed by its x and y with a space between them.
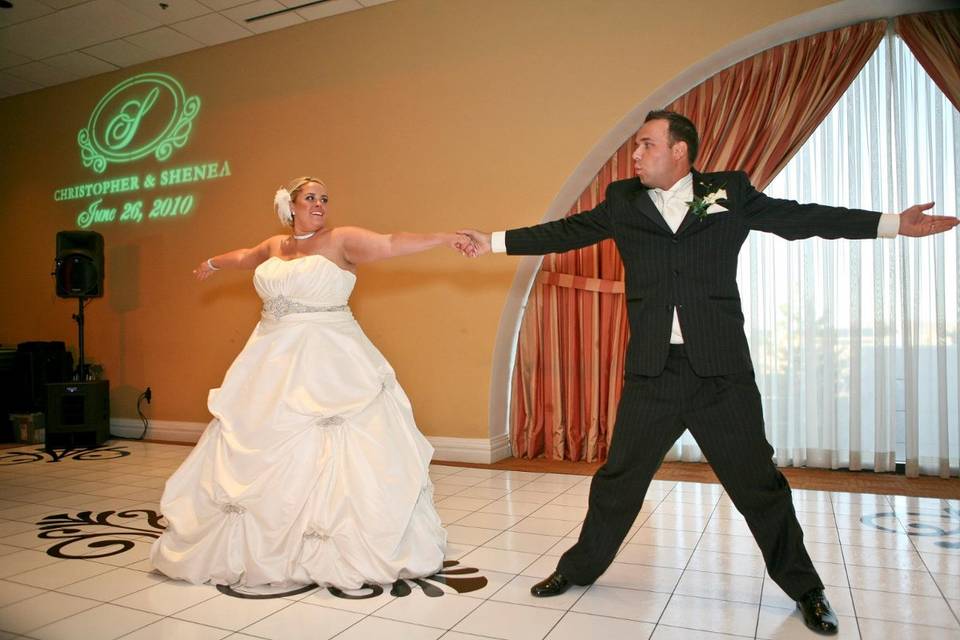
pixel 672 205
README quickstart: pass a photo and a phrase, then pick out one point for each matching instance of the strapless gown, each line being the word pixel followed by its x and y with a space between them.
pixel 312 469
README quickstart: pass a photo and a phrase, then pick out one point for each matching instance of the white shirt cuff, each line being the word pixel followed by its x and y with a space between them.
pixel 498 242
pixel 889 225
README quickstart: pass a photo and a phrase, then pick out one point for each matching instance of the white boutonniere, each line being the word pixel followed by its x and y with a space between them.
pixel 709 203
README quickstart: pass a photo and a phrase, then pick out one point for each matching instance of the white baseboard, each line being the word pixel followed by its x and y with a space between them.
pixel 170 430
pixel 476 450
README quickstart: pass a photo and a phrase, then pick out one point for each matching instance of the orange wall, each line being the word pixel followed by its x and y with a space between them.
pixel 420 115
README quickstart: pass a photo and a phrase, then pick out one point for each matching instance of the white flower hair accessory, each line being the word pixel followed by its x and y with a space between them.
pixel 282 204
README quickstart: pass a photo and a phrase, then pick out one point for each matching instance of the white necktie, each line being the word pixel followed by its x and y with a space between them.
pixel 672 207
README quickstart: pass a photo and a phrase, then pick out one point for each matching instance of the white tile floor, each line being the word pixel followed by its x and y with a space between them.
pixel 689 568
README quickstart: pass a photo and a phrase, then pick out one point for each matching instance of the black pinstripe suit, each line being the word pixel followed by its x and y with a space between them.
pixel 706 385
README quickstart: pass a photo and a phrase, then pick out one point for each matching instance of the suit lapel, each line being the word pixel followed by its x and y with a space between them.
pixel 642 201
pixel 700 188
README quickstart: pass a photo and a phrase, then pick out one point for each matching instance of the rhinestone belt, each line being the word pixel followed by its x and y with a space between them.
pixel 281 306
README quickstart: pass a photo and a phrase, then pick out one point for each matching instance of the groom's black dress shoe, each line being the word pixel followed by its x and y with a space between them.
pixel 554 585
pixel 817 613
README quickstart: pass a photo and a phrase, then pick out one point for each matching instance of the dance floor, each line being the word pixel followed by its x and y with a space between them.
pixel 75 536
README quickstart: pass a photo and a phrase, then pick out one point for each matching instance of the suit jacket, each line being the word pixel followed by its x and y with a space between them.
pixel 693 270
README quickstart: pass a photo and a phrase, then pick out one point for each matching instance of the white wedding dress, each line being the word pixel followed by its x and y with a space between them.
pixel 312 469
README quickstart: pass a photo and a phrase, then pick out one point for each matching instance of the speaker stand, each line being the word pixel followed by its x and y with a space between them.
pixel 81 373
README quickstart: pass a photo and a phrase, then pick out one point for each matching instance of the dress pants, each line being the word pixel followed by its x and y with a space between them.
pixel 724 415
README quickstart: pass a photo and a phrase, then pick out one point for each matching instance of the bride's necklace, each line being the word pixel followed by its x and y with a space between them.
pixel 304 236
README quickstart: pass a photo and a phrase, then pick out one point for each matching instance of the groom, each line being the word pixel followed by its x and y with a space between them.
pixel 688 365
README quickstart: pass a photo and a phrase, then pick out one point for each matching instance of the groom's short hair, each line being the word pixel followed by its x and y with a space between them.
pixel 679 128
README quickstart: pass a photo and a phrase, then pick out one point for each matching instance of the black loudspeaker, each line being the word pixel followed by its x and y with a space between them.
pixel 79 265
pixel 35 364
pixel 78 414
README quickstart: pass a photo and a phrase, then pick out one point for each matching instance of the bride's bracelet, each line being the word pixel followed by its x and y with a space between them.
pixel 210 264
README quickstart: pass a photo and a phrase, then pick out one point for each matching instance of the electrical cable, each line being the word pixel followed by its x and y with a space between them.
pixel 146 395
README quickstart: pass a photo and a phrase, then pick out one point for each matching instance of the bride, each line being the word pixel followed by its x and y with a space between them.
pixel 312 469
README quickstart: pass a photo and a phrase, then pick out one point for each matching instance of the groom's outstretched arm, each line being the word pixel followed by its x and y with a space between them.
pixel 580 230
pixel 573 232
pixel 576 231
pixel 792 220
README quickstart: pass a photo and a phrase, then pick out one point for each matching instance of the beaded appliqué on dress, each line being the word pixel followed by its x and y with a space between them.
pixel 280 306
pixel 316 533
pixel 232 508
pixel 331 421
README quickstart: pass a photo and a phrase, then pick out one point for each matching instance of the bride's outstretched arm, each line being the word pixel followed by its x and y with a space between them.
pixel 236 259
pixel 361 245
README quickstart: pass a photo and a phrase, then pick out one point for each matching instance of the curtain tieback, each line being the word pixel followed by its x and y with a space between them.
pixel 580 282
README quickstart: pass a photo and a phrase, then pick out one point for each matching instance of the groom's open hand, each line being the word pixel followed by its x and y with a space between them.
pixel 914 222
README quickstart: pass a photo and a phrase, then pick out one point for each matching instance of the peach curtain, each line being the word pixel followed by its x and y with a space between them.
pixel 755 115
pixel 934 38
pixel 569 366
pixel 570 354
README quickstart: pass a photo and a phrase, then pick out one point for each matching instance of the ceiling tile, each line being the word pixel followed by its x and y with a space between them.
pixel 74 28
pixel 11 59
pixel 12 85
pixel 220 5
pixel 212 29
pixel 259 8
pixel 371 3
pixel 163 42
pixel 21 12
pixel 41 74
pixel 79 64
pixel 329 8
pixel 176 11
pixel 120 53
pixel 61 4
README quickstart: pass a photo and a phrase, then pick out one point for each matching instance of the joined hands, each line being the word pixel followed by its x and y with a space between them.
pixel 472 243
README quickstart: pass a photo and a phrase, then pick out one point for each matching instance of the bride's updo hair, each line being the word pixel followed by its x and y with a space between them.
pixel 296 185
pixel 285 196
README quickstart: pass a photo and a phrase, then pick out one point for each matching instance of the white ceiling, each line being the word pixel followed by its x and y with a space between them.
pixel 48 42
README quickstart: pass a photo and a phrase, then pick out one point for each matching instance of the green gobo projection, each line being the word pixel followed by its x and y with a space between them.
pixel 145 118
pixel 126 110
